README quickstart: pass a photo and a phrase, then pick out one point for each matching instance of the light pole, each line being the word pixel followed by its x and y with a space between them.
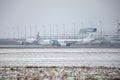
pixel 74 30
pixel 100 22
pixel 44 31
pixel 18 31
pixel 83 28
pixel 25 31
pixel 30 31
pixel 64 30
pixel 118 28
pixel 56 29
pixel 8 32
pixel 50 31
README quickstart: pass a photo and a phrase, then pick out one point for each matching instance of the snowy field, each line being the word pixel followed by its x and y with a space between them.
pixel 109 57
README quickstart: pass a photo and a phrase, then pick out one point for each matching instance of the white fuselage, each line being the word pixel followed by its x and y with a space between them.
pixel 45 42
pixel 65 42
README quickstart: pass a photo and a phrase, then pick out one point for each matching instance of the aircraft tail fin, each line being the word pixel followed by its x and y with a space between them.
pixel 88 32
pixel 38 36
pixel 91 33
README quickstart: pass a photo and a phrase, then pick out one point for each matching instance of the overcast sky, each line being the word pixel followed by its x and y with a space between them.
pixel 20 18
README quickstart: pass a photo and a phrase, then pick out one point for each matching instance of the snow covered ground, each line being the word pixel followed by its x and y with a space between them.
pixel 58 73
pixel 109 57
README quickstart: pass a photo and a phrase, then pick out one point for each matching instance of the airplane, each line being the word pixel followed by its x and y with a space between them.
pixel 30 41
pixel 36 41
pixel 88 36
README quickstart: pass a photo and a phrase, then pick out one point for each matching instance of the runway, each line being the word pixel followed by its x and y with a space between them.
pixel 109 57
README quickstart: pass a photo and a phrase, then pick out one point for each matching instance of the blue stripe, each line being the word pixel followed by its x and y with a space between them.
pixel 94 30
pixel 56 43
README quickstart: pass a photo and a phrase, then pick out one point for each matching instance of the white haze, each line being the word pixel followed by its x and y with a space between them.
pixel 24 18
